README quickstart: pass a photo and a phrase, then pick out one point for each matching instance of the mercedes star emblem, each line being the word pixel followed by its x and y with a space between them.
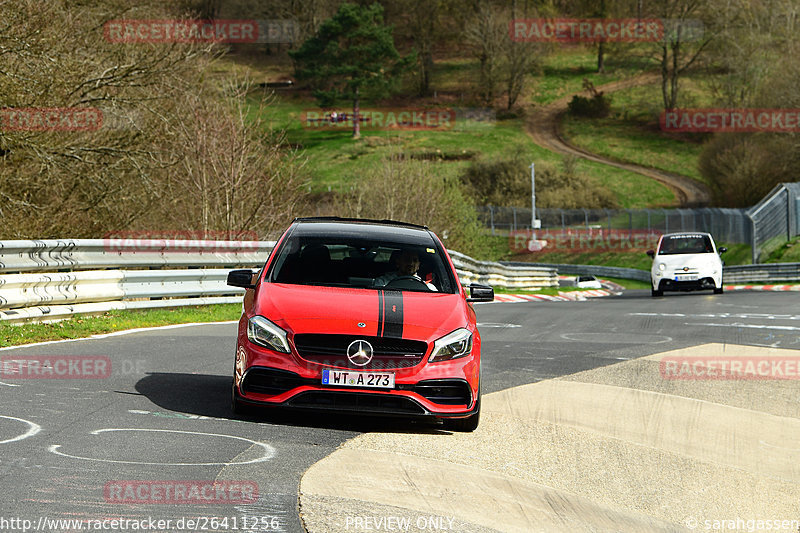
pixel 359 352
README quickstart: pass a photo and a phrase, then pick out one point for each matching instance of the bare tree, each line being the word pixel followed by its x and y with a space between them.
pixel 87 183
pixel 487 34
pixel 505 65
pixel 232 174
pixel 688 31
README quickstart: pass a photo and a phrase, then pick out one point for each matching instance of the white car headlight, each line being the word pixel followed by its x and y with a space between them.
pixel 262 332
pixel 452 346
pixel 662 267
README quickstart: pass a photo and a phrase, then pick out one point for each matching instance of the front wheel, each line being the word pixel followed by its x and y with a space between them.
pixel 654 293
pixel 719 291
pixel 238 406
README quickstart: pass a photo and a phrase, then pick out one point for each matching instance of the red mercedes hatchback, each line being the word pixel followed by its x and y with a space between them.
pixel 360 316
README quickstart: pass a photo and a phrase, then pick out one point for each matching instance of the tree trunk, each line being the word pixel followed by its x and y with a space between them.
pixel 665 76
pixel 356 118
pixel 601 60
pixel 425 72
pixel 673 97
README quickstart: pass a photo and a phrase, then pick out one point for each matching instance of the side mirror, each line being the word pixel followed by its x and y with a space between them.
pixel 241 278
pixel 651 253
pixel 722 250
pixel 480 293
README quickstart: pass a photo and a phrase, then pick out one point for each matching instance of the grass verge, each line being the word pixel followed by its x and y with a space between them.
pixel 788 252
pixel 737 254
pixel 80 327
pixel 628 284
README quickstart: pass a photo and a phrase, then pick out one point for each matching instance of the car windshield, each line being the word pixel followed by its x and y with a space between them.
pixel 353 262
pixel 686 244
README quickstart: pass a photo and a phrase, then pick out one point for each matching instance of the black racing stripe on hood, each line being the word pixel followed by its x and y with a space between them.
pixel 392 314
pixel 381 310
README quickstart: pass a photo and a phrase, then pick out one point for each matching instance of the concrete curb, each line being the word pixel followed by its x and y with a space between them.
pixel 568 296
pixel 614 449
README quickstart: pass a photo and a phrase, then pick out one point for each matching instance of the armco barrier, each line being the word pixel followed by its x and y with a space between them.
pixel 596 270
pixel 52 280
pixel 508 275
pixel 85 254
pixel 767 273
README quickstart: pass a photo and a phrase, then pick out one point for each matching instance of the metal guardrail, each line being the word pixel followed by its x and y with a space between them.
pixel 135 276
pixel 765 273
pixel 508 275
pixel 55 279
pixel 84 254
pixel 596 270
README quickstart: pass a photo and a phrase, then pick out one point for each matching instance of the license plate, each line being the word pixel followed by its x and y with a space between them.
pixel 686 277
pixel 347 378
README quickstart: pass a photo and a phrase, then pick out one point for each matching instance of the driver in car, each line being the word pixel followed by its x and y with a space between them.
pixel 406 264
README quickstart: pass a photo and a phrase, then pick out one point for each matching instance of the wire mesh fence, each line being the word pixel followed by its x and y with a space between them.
pixel 729 225
pixel 775 219
pixel 764 226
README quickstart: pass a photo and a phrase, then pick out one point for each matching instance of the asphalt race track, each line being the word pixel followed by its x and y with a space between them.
pixel 162 414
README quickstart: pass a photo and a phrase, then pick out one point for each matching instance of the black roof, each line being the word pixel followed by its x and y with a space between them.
pixel 357 228
pixel 362 220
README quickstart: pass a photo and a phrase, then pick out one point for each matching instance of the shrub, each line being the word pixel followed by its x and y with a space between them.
pixel 596 106
pixel 507 182
pixel 411 190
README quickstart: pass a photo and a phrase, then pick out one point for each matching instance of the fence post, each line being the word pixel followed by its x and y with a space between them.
pixel 514 211
pixel 491 218
pixel 753 239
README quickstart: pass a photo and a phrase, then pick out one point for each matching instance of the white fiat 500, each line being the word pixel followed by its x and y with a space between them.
pixel 686 262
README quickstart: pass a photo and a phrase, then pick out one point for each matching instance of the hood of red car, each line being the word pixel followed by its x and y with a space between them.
pixel 410 315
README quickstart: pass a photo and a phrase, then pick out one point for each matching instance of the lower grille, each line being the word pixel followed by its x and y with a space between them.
pixel 362 402
pixel 444 391
pixel 270 381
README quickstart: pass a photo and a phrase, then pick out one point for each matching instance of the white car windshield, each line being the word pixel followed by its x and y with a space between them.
pixel 686 244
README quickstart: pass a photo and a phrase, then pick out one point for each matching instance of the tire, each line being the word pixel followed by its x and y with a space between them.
pixel 468 424
pixel 238 406
pixel 719 291
pixel 654 293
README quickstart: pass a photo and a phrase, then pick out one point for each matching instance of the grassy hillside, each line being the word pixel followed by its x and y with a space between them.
pixel 632 132
pixel 334 158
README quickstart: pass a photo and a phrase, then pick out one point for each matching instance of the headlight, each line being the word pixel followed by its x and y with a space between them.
pixel 264 333
pixel 662 267
pixel 452 346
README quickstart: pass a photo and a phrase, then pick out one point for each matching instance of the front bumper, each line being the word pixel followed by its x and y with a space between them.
pixel 445 390
pixel 707 283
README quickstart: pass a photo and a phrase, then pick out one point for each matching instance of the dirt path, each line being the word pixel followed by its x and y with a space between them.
pixel 543 128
